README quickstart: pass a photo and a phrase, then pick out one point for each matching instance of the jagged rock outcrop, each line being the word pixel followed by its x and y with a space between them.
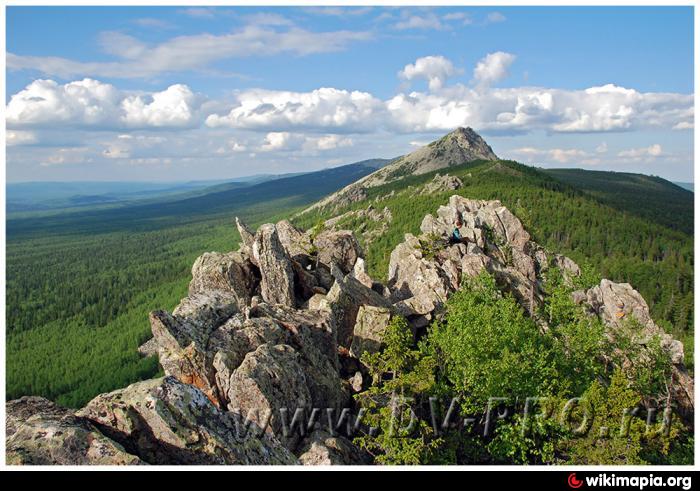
pixel 441 184
pixel 346 297
pixel 269 388
pixel 425 270
pixel 368 332
pixel 183 338
pixel 277 285
pixel 168 422
pixel 232 273
pixel 622 308
pixel 338 247
pixel 39 432
pixel 295 242
pixel 247 237
pixel 269 340
pixel 149 348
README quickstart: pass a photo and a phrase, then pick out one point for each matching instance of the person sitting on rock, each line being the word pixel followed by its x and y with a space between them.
pixel 456 237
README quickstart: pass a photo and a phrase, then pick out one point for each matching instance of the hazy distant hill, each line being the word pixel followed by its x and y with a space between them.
pixel 686 185
pixel 650 197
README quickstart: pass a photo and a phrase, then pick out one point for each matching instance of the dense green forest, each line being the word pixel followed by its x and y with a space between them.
pixel 649 197
pixel 80 284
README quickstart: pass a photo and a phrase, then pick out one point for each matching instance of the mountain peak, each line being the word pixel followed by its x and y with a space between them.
pixel 458 147
pixel 474 146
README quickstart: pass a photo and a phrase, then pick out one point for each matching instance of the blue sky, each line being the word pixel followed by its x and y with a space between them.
pixel 182 93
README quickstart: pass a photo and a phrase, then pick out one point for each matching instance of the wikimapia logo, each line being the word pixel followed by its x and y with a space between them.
pixel 629 481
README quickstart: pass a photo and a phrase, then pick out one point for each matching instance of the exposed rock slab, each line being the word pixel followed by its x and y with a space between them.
pixel 268 389
pixel 167 422
pixel 322 448
pixel 40 432
pixel 232 272
pixel 338 247
pixel 368 334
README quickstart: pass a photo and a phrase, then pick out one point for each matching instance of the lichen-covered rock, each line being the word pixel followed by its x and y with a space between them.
pixel 440 184
pixel 277 284
pixel 232 272
pixel 345 298
pixel 167 422
pixel 620 306
pixel 338 247
pixel 183 338
pixel 424 270
pixel 269 388
pixel 39 432
pixel 312 334
pixel 247 237
pixel 294 241
pixel 318 302
pixel 359 272
pixel 322 448
pixel 149 348
pixel 368 334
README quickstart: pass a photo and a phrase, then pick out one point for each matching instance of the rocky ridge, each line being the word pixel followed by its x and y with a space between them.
pixel 271 334
pixel 458 147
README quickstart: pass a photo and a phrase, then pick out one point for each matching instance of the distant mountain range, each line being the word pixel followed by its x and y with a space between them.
pixel 44 196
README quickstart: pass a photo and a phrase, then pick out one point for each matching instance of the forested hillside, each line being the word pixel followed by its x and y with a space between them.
pixel 80 285
pixel 616 241
pixel 649 197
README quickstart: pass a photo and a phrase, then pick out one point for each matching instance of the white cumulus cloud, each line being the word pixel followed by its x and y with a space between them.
pixel 434 69
pixel 492 68
pixel 175 106
pixel 320 109
pixel 93 103
pixel 560 155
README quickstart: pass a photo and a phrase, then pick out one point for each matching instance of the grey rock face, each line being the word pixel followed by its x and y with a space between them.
pixel 368 333
pixel 232 272
pixel 620 306
pixel 442 183
pixel 268 389
pixel 167 422
pixel 338 247
pixel 424 270
pixel 40 432
pixel 277 285
pixel 294 241
pixel 247 237
pixel 322 448
pixel 345 298
pixel 183 337
pixel 149 348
